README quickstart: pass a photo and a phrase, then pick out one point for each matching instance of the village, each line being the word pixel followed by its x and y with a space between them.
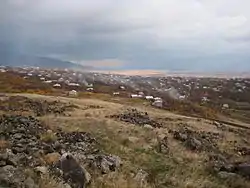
pixel 220 92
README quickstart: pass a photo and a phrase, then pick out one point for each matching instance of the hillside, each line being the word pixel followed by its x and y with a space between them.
pixel 16 60
pixel 146 147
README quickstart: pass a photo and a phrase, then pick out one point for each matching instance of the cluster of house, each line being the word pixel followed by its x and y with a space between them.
pixel 156 101
pixel 179 88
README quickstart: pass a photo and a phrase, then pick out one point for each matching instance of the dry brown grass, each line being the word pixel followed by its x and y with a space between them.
pixel 49 182
pixel 116 180
pixel 48 137
pixel 51 158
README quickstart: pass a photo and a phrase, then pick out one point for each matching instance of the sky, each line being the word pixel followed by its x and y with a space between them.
pixel 190 35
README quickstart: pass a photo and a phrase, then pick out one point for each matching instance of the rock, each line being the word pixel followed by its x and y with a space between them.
pixel 11 176
pixel 193 144
pixel 12 159
pixel 147 126
pixel 180 136
pixel 243 169
pixel 18 136
pixel 48 148
pixel 105 163
pixel 216 123
pixel 141 177
pixel 6 174
pixel 243 150
pixel 2 163
pixel 58 146
pixel 218 162
pixel 227 175
pixel 41 170
pixel 73 171
pixel 30 183
pixel 18 150
pixel 115 161
pixel 3 156
pixel 163 145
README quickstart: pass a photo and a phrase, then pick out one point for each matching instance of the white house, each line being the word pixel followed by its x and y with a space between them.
pixel 157 99
pixel 182 97
pixel 2 70
pixel 149 97
pixel 122 87
pixel 73 84
pixel 60 79
pixel 136 96
pixel 57 85
pixel 116 93
pixel 48 81
pixel 73 93
pixel 158 103
pixel 90 89
pixel 205 99
pixel 225 106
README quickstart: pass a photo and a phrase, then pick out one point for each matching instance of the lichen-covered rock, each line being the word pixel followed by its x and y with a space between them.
pixel 105 163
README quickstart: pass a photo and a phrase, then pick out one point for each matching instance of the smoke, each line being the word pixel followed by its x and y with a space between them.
pixel 173 93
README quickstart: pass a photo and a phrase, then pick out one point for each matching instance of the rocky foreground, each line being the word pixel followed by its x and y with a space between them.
pixel 26 144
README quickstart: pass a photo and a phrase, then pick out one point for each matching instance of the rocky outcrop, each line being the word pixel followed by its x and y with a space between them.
pixel 48 152
pixel 38 107
pixel 136 117
pixel 196 140
pixel 104 163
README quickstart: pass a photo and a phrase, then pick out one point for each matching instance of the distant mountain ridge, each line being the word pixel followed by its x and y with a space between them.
pixel 15 60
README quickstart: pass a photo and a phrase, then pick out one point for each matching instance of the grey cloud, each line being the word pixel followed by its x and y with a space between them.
pixel 143 34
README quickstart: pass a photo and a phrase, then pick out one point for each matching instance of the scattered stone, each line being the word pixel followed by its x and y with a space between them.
pixel 197 140
pixel 104 163
pixel 41 170
pixel 243 151
pixel 180 136
pixel 193 144
pixel 11 176
pixel 163 145
pixel 136 117
pixel 227 175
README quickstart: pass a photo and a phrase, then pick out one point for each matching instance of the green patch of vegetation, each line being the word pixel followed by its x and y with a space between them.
pixel 48 137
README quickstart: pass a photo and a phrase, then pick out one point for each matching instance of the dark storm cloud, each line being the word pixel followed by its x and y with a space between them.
pixel 142 34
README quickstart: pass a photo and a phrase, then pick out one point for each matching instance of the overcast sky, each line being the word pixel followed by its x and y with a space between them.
pixel 211 35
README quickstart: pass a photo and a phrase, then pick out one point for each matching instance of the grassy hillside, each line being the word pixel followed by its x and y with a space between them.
pixel 168 162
